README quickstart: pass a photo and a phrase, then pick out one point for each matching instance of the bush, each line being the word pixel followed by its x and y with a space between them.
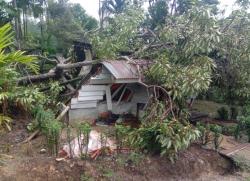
pixel 217 130
pixel 246 110
pixel 205 133
pixel 49 126
pixel 167 137
pixel 121 133
pixel 223 113
pixel 52 133
pixel 83 131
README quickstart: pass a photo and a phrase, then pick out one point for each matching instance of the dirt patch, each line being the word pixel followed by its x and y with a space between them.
pixel 24 162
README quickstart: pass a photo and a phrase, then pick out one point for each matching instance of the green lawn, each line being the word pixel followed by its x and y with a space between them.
pixel 209 107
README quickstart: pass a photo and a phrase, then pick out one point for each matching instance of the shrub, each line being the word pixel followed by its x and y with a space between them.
pixel 223 113
pixel 167 137
pixel 83 131
pixel 205 133
pixel 52 132
pixel 217 130
pixel 246 110
pixel 120 135
pixel 49 126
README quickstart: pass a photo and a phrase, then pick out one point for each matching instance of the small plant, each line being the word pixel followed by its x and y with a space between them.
pixel 52 132
pixel 223 113
pixel 240 127
pixel 103 139
pixel 205 133
pixel 69 137
pixel 217 130
pixel 49 126
pixel 83 131
pixel 42 116
pixel 121 133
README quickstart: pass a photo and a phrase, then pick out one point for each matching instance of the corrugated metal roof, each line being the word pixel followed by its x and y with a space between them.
pixel 122 69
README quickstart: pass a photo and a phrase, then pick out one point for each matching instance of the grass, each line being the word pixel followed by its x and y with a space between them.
pixel 209 107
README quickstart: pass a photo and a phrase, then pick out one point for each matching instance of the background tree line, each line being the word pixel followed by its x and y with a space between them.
pixel 46 25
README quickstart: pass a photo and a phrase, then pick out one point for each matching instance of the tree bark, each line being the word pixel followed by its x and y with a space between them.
pixel 56 72
pixel 75 65
pixel 35 78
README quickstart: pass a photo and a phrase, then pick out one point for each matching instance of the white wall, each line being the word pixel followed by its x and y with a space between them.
pixel 140 95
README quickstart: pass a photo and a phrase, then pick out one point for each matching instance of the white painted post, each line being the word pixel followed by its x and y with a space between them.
pixel 108 98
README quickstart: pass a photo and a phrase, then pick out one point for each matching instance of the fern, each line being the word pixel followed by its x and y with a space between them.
pixel 7 59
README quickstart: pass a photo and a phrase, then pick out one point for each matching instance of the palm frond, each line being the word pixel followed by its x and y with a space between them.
pixel 6 36
pixel 6 59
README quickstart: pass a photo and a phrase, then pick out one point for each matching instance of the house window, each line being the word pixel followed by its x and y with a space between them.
pixel 120 92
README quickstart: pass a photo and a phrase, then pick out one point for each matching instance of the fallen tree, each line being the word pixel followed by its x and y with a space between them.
pixel 56 73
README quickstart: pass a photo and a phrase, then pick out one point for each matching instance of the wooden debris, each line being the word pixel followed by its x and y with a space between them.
pixel 31 136
pixel 61 115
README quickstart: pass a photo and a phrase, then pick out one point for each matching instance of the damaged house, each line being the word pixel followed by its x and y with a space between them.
pixel 116 87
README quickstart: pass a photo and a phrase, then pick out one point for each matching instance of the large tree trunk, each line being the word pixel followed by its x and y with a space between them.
pixel 55 73
pixel 14 4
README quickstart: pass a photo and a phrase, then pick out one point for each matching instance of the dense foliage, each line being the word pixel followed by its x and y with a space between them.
pixel 49 26
pixel 157 134
pixel 9 62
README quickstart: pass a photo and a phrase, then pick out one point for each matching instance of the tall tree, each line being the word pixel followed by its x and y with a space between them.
pixel 87 22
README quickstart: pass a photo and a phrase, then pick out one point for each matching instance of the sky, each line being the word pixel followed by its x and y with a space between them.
pixel 92 6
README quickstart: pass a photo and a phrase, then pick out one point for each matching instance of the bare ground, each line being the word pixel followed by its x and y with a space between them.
pixel 24 162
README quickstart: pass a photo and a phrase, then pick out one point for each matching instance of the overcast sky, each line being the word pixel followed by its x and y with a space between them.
pixel 91 6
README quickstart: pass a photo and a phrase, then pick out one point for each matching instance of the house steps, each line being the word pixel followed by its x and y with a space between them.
pixel 88 96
